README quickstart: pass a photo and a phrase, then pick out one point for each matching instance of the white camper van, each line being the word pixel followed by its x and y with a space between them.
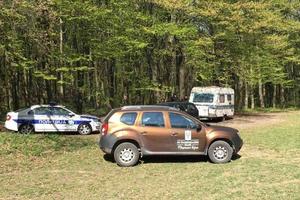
pixel 213 102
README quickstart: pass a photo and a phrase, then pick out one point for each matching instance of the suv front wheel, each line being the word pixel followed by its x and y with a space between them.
pixel 126 154
pixel 220 152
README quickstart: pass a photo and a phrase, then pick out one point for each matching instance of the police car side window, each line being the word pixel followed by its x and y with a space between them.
pixel 59 111
pixel 42 111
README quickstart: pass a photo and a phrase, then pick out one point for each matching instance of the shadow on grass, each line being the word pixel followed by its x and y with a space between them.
pixel 4 130
pixel 108 158
pixel 170 159
pixel 67 133
pixel 174 159
pixel 236 157
pixel 181 159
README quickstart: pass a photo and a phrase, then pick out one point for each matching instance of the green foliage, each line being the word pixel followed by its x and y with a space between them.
pixel 101 51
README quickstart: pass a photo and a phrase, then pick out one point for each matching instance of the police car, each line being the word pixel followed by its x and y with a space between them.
pixel 50 118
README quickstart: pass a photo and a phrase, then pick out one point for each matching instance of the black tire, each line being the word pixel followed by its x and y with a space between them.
pixel 84 129
pixel 220 152
pixel 26 129
pixel 126 154
pixel 221 119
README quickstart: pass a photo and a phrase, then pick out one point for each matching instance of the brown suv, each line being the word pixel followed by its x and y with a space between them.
pixel 131 132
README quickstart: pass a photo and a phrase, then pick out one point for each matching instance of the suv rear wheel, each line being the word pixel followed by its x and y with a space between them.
pixel 220 152
pixel 126 154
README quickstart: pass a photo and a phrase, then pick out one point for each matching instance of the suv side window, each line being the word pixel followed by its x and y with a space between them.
pixel 128 118
pixel 180 121
pixel 155 119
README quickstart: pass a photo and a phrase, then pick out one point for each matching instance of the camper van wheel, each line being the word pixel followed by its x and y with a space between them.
pixel 221 118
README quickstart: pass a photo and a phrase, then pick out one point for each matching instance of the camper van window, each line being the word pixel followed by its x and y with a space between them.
pixel 203 98
pixel 229 97
pixel 222 98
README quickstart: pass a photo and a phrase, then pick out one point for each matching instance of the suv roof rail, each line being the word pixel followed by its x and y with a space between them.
pixel 138 107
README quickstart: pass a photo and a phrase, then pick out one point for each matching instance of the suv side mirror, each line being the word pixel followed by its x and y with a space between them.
pixel 198 127
pixel 71 115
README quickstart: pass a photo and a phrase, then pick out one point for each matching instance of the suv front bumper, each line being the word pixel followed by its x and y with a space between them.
pixel 237 143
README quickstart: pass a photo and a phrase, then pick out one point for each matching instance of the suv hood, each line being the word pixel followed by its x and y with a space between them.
pixel 89 117
pixel 211 128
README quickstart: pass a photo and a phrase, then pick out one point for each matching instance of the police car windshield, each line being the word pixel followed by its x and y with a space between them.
pixel 21 109
pixel 203 98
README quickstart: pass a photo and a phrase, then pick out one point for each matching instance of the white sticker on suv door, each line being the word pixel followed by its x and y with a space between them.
pixel 187 135
pixel 188 144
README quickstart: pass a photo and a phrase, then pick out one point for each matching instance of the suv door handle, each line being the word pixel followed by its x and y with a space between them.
pixel 144 133
pixel 174 134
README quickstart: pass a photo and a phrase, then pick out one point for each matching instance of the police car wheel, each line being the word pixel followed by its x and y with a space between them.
pixel 84 129
pixel 26 129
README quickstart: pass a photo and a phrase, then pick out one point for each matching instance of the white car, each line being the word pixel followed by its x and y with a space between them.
pixel 50 118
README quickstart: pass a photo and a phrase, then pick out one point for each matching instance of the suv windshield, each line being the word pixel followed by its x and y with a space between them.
pixel 203 98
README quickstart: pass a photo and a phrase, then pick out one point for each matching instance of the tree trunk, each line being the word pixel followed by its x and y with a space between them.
pixel 252 98
pixel 25 90
pixel 246 101
pixel 282 100
pixel 182 75
pixel 155 80
pixel 61 76
pixel 261 94
pixel 238 95
pixel 97 88
pixel 274 96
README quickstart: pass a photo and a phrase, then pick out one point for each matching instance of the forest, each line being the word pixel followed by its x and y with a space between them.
pixel 94 55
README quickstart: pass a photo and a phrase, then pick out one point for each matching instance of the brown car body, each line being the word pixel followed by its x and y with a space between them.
pixel 164 140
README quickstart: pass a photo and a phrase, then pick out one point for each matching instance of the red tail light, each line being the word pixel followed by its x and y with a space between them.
pixel 104 129
pixel 8 117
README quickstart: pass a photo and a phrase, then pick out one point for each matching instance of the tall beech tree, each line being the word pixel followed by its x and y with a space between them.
pixel 95 55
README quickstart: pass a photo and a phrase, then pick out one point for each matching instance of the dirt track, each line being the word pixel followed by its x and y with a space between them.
pixel 253 120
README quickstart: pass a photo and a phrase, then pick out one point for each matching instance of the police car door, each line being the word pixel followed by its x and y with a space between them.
pixel 41 119
pixel 62 119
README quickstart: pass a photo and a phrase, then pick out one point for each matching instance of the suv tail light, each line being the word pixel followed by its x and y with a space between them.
pixel 8 117
pixel 104 129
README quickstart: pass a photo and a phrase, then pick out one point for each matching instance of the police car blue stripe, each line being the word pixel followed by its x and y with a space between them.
pixel 46 121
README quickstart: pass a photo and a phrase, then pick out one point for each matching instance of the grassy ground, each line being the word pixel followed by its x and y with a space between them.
pixel 72 167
